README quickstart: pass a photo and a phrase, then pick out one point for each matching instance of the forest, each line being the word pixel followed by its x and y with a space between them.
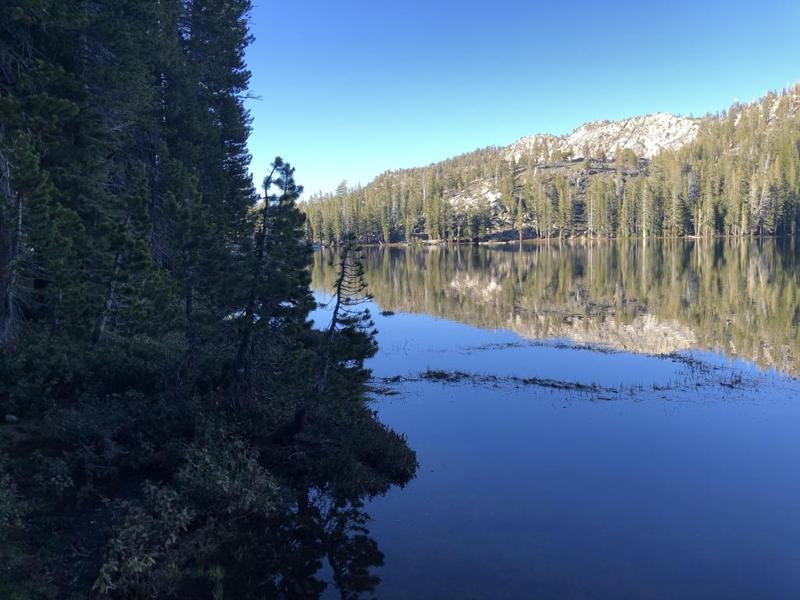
pixel 173 424
pixel 740 177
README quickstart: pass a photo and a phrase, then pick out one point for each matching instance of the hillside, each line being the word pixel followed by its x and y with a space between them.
pixel 733 173
pixel 646 136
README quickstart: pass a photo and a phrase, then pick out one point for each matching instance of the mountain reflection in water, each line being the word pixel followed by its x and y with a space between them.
pixel 737 297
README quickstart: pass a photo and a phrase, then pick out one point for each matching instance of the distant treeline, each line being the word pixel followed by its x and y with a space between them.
pixel 741 176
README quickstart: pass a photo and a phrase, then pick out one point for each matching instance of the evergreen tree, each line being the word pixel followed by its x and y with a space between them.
pixel 154 336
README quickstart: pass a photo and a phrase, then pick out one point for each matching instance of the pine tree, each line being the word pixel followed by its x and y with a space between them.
pixel 154 318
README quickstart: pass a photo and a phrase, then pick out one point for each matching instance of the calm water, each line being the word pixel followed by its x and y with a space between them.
pixel 605 420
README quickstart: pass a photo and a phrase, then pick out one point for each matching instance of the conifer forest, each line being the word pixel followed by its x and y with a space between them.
pixel 168 431
pixel 567 366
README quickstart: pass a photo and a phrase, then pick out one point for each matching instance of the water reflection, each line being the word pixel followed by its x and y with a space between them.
pixel 323 546
pixel 737 297
pixel 320 546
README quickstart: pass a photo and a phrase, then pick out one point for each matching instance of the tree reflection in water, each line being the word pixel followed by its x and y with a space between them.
pixel 740 297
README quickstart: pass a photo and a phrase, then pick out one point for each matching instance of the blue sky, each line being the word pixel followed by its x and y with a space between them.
pixel 352 88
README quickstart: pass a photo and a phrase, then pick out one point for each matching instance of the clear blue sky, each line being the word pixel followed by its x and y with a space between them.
pixel 352 88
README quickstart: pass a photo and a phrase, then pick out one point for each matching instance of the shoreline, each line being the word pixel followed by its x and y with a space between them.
pixel 556 240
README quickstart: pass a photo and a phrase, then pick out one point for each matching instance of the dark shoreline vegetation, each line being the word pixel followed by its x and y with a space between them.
pixel 173 425
pixel 739 177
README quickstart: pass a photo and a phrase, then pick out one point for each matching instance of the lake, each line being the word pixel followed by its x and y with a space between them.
pixel 591 420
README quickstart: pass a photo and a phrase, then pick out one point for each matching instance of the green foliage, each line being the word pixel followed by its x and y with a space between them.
pixel 12 505
pixel 741 176
pixel 155 347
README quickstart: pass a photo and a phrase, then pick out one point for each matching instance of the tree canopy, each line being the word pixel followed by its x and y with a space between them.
pixel 163 435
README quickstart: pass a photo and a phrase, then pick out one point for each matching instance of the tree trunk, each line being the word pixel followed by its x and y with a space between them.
pixel 11 239
pixel 108 305
pixel 322 379
pixel 250 308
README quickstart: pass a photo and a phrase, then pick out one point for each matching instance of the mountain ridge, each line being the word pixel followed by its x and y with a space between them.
pixel 735 172
pixel 646 135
